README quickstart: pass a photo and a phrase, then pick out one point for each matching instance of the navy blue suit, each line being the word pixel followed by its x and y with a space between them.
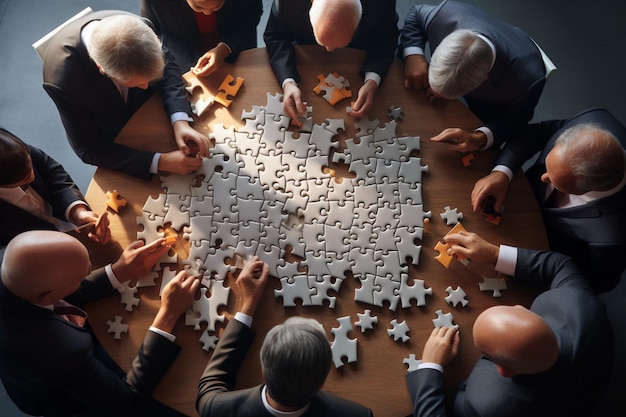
pixel 570 388
pixel 91 108
pixel 175 22
pixel 506 101
pixel 593 234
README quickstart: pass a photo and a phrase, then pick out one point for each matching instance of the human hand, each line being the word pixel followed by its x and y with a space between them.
pixel 495 184
pixel 293 105
pixel 100 231
pixel 190 141
pixel 365 99
pixel 137 259
pixel 415 72
pixel 177 297
pixel 461 140
pixel 442 346
pixel 209 62
pixel 177 162
pixel 250 283
pixel 471 246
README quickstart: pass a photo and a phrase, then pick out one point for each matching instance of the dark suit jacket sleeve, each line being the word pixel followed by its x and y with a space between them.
pixel 378 35
pixel 548 269
pixel 237 29
pixel 414 30
pixel 526 143
pixel 427 392
pixel 279 44
pixel 221 372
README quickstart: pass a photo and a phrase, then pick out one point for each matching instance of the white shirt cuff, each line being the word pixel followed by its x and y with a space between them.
pixel 507 260
pixel 489 135
pixel 372 76
pixel 412 50
pixel 243 318
pixel 166 335
pixel 505 170
pixel 180 115
pixel 288 80
pixel 430 365
pixel 226 45
pixel 114 281
pixel 154 166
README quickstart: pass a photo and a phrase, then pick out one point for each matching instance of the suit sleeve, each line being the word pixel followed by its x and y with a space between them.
pixel 427 392
pixel 381 42
pixel 526 143
pixel 549 269
pixel 414 31
pixel 279 44
pixel 240 33
pixel 172 87
pixel 220 374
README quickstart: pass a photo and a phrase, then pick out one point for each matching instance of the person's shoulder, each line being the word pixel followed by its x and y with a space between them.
pixel 340 406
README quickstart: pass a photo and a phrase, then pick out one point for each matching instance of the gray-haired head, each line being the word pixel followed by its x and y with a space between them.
pixel 460 64
pixel 296 359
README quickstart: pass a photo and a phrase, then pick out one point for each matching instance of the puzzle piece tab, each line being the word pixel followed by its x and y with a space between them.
pixel 115 201
pixel 116 326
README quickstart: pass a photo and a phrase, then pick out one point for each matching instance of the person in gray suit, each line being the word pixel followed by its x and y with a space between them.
pixel 295 360
pixel 204 33
pixel 550 360
pixel 497 68
pixel 579 181
pixel 99 70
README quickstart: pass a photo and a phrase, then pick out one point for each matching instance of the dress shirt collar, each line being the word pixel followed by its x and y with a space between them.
pixel 274 412
pixel 11 195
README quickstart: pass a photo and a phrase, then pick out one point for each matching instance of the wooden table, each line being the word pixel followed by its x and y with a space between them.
pixel 377 379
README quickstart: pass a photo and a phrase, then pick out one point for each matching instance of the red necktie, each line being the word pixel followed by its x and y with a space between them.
pixel 70 312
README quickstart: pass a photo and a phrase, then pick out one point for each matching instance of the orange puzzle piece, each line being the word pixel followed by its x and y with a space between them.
pixel 228 89
pixel 444 258
pixel 115 201
pixel 467 159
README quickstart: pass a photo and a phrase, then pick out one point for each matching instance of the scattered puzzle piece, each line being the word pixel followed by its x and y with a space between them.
pixel 116 326
pixel 467 159
pixel 228 89
pixel 208 341
pixel 451 216
pixel 115 201
pixel 399 330
pixel 128 296
pixel 456 296
pixel 395 113
pixel 343 346
pixel 494 284
pixel 444 320
pixel 332 88
pixel 412 362
pixel 366 320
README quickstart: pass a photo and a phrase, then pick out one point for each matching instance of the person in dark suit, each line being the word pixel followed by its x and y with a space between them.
pixel 497 68
pixel 583 159
pixel 37 193
pixel 204 33
pixel 552 359
pixel 366 24
pixel 99 70
pixel 51 365
pixel 295 360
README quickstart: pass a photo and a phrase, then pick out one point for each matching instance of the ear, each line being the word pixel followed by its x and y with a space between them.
pixel 100 69
pixel 505 372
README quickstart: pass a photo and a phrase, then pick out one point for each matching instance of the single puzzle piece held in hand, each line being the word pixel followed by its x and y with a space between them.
pixel 444 258
pixel 399 330
pixel 444 320
pixel 456 296
pixel 494 284
pixel 115 201
pixel 451 216
pixel 343 346
pixel 116 326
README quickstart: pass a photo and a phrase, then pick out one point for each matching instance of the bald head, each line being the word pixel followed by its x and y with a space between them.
pixel 585 158
pixel 517 339
pixel 335 21
pixel 43 266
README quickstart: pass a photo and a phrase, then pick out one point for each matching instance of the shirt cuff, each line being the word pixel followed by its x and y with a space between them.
pixel 412 50
pixel 505 170
pixel 230 51
pixel 114 281
pixel 372 76
pixel 489 135
pixel 288 80
pixel 180 115
pixel 507 260
pixel 166 335
pixel 71 206
pixel 154 166
pixel 430 365
pixel 243 318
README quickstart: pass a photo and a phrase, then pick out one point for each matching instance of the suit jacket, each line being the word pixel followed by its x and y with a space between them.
pixel 49 365
pixel 92 110
pixel 570 388
pixel 506 100
pixel 216 397
pixel 53 184
pixel 289 24
pixel 594 234
pixel 175 22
